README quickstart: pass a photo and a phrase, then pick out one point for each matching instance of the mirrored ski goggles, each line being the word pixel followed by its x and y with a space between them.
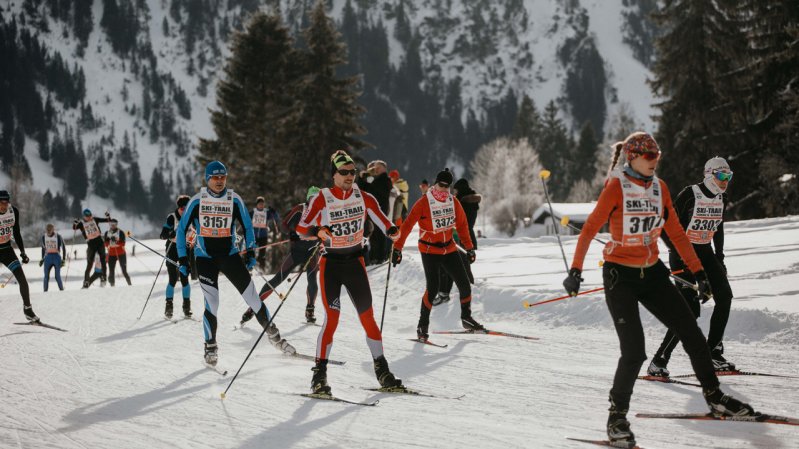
pixel 344 172
pixel 648 155
pixel 722 175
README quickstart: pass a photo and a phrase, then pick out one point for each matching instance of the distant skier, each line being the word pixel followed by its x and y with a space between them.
pixel 638 206
pixel 299 251
pixel 470 201
pixel 168 233
pixel 438 214
pixel 9 227
pixel 261 217
pixel 342 210
pixel 98 271
pixel 90 228
pixel 700 208
pixel 114 240
pixel 52 249
pixel 213 212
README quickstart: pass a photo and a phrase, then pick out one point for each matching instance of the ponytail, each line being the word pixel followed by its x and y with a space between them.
pixel 616 152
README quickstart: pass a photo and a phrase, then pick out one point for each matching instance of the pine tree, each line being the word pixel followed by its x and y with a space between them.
pixel 553 151
pixel 136 192
pixel 77 179
pixel 161 198
pixel 584 155
pixel 528 123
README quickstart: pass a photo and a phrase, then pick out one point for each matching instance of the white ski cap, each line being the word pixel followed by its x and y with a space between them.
pixel 716 164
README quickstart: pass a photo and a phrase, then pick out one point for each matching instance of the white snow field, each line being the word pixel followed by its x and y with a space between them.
pixel 115 382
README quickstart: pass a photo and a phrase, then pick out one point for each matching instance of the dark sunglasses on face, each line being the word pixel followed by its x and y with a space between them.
pixel 344 172
pixel 722 175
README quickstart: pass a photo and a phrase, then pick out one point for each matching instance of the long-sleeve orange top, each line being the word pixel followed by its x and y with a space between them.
pixel 442 242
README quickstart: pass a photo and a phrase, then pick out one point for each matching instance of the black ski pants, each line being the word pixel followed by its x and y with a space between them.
pixel 123 265
pixel 9 258
pixel 722 297
pixel 297 256
pixel 625 287
pixel 452 265
pixel 94 247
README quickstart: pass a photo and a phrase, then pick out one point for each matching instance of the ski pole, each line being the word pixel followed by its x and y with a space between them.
pixel 544 175
pixel 565 223
pixel 154 251
pixel 527 304
pixel 266 246
pixel 385 296
pixel 66 278
pixel 269 323
pixel 154 281
pixel 8 278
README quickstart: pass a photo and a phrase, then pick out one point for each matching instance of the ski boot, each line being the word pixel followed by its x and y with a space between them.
pixel 247 316
pixel 30 316
pixel 421 332
pixel 384 376
pixel 619 433
pixel 469 323
pixel 110 282
pixel 722 404
pixel 319 380
pixel 186 308
pixel 168 309
pixel 103 281
pixel 658 368
pixel 85 285
pixel 309 315
pixel 127 279
pixel 280 343
pixel 719 362
pixel 440 299
pixel 211 355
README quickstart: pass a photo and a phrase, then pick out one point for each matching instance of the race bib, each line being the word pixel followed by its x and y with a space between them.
pixel 51 244
pixel 643 212
pixel 113 239
pixel 707 217
pixel 259 218
pixel 91 229
pixel 345 219
pixel 442 213
pixel 216 215
pixel 7 225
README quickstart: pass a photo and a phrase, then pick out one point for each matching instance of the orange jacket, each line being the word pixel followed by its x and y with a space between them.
pixel 421 213
pixel 610 207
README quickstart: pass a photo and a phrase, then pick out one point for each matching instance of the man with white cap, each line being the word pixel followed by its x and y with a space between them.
pixel 701 211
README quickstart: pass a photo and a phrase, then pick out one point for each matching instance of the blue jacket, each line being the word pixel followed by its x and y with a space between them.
pixel 214 246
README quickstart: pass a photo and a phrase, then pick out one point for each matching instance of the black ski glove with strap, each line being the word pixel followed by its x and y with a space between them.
pixel 703 286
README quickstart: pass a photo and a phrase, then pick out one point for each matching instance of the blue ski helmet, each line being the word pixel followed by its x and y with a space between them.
pixel 215 168
pixel 86 212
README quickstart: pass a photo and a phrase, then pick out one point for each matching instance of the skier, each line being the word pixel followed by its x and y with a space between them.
pixel 9 227
pixel 438 213
pixel 168 232
pixel 90 228
pixel 261 216
pixel 700 208
pixel 470 201
pixel 639 207
pixel 299 251
pixel 213 212
pixel 342 210
pixel 52 248
pixel 114 240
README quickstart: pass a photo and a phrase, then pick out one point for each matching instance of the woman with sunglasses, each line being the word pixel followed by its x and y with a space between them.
pixel 438 214
pixel 701 211
pixel 638 206
pixel 342 211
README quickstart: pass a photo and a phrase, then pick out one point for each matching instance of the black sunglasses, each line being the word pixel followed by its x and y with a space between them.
pixel 344 172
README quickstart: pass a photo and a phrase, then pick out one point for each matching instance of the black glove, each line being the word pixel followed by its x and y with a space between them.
pixel 41 262
pixel 723 267
pixel 396 257
pixel 75 222
pixel 184 266
pixel 703 286
pixel 470 254
pixel 62 263
pixel 572 282
pixel 172 234
pixel 24 257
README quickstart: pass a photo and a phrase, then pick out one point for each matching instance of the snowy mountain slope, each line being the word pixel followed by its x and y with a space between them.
pixel 115 381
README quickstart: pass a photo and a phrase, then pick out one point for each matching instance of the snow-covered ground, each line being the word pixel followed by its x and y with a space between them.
pixel 113 381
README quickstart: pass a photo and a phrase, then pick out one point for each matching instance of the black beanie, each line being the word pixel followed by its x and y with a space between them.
pixel 182 201
pixel 444 176
pixel 4 196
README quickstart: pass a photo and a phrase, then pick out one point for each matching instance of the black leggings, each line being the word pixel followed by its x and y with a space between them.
pixel 297 256
pixel 453 265
pixel 94 247
pixel 123 265
pixel 625 287
pixel 9 258
pixel 173 271
pixel 445 281
pixel 722 297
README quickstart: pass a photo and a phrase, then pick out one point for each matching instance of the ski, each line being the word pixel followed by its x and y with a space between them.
pixel 667 380
pixel 313 358
pixel 406 390
pixel 311 324
pixel 605 443
pixel 427 342
pixel 171 320
pixel 740 373
pixel 40 324
pixel 486 332
pixel 220 371
pixel 757 418
pixel 330 397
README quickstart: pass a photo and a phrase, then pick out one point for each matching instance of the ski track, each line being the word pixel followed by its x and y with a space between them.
pixel 113 381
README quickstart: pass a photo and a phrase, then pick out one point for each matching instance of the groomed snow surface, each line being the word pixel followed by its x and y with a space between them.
pixel 113 381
